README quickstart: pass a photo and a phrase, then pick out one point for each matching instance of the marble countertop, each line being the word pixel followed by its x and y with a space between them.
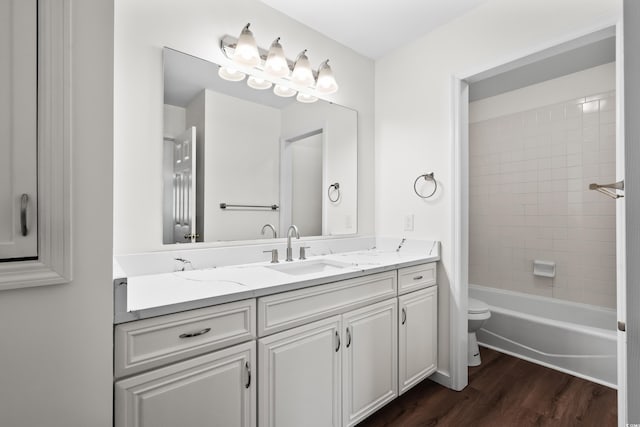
pixel 150 295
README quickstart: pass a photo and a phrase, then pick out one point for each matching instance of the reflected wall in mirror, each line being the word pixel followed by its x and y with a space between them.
pixel 237 159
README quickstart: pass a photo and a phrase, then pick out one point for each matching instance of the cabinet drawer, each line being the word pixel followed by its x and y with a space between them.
pixel 416 277
pixel 150 343
pixel 288 309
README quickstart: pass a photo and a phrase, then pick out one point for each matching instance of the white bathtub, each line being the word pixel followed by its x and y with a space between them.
pixel 575 338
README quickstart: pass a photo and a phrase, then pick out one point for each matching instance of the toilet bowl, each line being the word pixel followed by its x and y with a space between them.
pixel 477 314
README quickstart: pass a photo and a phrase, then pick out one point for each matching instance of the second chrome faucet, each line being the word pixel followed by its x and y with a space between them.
pixel 294 229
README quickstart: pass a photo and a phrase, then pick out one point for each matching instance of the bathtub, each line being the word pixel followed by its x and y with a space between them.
pixel 578 339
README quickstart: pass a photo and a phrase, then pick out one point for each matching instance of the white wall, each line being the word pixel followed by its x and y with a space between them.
pixel 532 157
pixel 413 126
pixel 242 166
pixel 56 341
pixel 142 28
pixel 338 132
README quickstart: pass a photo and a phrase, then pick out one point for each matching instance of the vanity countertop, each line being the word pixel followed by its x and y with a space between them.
pixel 152 295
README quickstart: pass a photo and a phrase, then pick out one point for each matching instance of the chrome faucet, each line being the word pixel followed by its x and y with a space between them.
pixel 289 251
pixel 273 229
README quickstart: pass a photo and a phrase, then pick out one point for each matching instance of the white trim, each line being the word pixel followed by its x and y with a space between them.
pixel 53 265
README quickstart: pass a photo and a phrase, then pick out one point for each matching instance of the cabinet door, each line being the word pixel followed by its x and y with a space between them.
pixel 18 128
pixel 370 377
pixel 299 376
pixel 217 390
pixel 418 340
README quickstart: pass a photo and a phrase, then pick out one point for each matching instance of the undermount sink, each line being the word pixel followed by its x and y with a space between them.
pixel 309 267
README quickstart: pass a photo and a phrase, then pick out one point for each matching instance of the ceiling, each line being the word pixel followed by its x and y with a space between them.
pixel 373 28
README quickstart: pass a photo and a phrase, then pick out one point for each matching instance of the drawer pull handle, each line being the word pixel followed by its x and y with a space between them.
pixel 338 338
pixel 404 315
pixel 417 278
pixel 348 337
pixel 247 366
pixel 195 334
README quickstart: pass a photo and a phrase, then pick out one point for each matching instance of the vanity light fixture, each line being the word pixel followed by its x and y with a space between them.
pixel 231 74
pixel 258 83
pixel 326 82
pixel 302 73
pixel 284 91
pixel 306 98
pixel 276 65
pixel 246 52
pixel 272 68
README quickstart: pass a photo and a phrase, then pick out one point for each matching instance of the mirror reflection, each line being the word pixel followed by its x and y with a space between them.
pixel 244 164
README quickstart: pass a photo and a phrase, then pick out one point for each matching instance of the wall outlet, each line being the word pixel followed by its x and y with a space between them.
pixel 408 222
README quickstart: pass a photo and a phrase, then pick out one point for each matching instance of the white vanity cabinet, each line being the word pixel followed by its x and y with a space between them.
pixel 417 336
pixel 179 380
pixel 335 371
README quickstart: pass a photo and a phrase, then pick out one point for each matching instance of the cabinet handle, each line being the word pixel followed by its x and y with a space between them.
pixel 348 337
pixel 247 366
pixel 24 201
pixel 338 338
pixel 404 315
pixel 195 334
pixel 417 278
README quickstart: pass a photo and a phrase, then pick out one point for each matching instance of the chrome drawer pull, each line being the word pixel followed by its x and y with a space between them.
pixel 338 338
pixel 348 338
pixel 404 315
pixel 247 366
pixel 24 203
pixel 417 278
pixel 195 334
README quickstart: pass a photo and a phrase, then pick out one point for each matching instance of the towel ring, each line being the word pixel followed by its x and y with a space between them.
pixel 427 177
pixel 336 187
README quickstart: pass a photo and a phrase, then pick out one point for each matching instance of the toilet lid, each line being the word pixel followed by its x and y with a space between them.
pixel 477 306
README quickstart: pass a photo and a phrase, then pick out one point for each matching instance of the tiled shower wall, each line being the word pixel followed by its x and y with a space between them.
pixel 529 174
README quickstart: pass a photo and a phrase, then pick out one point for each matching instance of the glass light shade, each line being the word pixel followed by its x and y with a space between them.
pixel 276 65
pixel 231 74
pixel 246 51
pixel 302 73
pixel 326 82
pixel 258 83
pixel 284 91
pixel 306 98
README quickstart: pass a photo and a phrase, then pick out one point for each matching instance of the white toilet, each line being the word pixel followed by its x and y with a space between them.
pixel 478 313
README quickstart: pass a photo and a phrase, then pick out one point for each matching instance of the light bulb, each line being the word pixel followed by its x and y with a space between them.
pixel 306 98
pixel 302 73
pixel 246 51
pixel 326 82
pixel 284 91
pixel 231 74
pixel 258 83
pixel 276 65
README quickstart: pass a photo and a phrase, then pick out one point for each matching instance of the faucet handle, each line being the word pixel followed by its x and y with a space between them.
pixel 274 255
pixel 303 252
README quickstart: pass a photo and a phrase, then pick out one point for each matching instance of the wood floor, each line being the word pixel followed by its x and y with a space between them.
pixel 504 391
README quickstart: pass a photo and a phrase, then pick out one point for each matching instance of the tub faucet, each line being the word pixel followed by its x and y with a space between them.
pixel 273 229
pixel 184 264
pixel 297 234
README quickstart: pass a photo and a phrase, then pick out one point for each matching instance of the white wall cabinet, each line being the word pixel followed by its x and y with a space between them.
pixel 217 390
pixel 330 372
pixel 417 336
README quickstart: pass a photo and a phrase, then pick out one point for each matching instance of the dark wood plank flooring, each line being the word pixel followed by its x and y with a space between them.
pixel 504 391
